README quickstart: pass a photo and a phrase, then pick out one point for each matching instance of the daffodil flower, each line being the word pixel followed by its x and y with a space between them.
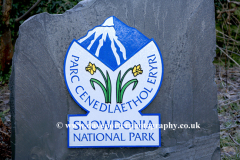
pixel 137 70
pixel 91 68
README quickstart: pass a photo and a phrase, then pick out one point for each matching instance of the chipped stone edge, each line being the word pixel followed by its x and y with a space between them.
pixel 85 4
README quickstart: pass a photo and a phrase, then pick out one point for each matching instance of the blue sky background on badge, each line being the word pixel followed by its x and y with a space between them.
pixel 129 37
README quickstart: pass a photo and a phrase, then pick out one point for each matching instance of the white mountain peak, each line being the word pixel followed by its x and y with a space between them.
pixel 108 22
pixel 106 29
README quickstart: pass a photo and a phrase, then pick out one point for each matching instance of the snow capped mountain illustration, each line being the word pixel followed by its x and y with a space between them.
pixel 113 42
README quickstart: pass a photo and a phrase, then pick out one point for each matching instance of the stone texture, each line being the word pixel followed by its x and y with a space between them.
pixel 185 33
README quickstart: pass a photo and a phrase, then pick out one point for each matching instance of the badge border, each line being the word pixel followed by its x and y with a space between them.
pixel 148 114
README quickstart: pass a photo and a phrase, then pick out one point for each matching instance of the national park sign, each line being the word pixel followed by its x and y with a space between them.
pixel 113 73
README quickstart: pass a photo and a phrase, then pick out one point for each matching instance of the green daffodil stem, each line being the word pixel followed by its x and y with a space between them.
pixel 120 90
pixel 107 88
pixel 118 87
pixel 105 79
pixel 119 84
pixel 134 81
pixel 93 80
pixel 125 74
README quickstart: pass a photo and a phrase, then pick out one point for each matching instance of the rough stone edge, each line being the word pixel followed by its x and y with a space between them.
pixel 85 4
pixel 82 5
pixel 12 100
pixel 12 108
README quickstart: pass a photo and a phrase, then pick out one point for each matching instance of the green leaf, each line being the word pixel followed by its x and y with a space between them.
pixel 118 92
pixel 92 81
pixel 105 79
pixel 125 74
pixel 135 81
pixel 109 88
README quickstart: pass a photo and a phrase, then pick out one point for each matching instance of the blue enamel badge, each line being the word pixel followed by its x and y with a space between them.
pixel 113 73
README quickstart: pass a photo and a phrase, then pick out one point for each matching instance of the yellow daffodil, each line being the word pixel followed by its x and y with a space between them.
pixel 137 70
pixel 91 68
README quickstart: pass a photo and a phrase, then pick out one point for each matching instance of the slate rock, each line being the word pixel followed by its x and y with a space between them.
pixel 185 33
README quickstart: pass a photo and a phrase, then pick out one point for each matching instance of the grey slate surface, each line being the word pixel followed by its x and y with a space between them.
pixel 185 33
